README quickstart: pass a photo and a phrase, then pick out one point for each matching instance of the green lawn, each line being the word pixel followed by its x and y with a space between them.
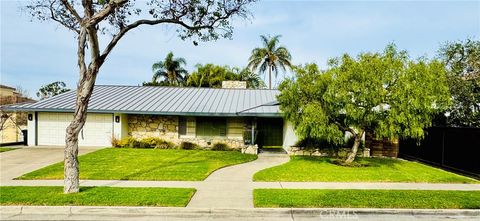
pixel 415 199
pixel 95 196
pixel 146 164
pixel 305 169
pixel 5 149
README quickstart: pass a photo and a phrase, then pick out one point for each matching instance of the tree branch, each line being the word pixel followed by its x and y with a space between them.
pixel 82 38
pixel 127 28
pixel 72 10
pixel 105 12
pixel 53 17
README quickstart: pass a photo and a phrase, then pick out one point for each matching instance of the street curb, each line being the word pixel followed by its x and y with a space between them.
pixel 254 212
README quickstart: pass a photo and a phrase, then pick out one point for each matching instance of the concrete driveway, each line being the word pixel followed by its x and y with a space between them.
pixel 15 163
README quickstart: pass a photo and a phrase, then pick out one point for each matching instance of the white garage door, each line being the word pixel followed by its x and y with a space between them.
pixel 97 131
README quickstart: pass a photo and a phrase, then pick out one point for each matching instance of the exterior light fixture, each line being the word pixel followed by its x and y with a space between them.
pixel 117 119
pixel 30 117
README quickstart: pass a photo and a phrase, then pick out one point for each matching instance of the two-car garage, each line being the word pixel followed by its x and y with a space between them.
pixel 51 129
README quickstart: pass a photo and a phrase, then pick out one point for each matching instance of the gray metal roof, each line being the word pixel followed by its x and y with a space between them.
pixel 166 101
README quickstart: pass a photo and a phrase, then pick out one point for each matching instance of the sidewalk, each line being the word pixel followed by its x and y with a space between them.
pixel 287 214
pixel 251 184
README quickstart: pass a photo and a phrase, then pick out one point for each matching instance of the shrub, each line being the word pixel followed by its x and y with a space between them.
pixel 128 142
pixel 313 143
pixel 185 145
pixel 163 144
pixel 220 147
pixel 324 146
pixel 149 142
pixel 157 143
pixel 115 141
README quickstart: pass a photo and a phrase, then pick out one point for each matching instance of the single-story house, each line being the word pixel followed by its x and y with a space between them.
pixel 12 124
pixel 232 115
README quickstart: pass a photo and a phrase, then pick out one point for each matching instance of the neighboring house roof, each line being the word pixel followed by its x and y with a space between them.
pixel 6 87
pixel 166 101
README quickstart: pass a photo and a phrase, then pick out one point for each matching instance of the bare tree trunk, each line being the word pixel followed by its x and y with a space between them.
pixel 84 92
pixel 71 170
pixel 353 153
pixel 269 77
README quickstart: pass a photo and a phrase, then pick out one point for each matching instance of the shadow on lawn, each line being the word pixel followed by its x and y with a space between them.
pixel 174 162
pixel 361 161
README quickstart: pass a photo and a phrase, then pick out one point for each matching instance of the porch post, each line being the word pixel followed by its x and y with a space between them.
pixel 253 131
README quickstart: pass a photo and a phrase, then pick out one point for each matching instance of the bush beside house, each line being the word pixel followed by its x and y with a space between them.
pixel 158 143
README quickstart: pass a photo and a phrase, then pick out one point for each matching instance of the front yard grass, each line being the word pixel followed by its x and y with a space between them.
pixel 5 149
pixel 146 164
pixel 321 169
pixel 412 199
pixel 95 196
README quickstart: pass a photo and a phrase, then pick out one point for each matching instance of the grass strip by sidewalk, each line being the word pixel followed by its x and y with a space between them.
pixel 95 196
pixel 346 198
pixel 322 169
pixel 146 164
pixel 5 149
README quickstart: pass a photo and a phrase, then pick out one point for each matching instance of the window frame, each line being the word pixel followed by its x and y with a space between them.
pixel 216 123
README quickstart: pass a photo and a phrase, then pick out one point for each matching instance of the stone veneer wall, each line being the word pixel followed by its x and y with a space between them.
pixel 234 143
pixel 143 126
pixel 166 127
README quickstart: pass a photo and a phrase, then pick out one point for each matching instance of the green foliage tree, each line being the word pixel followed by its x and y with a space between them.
pixel 253 80
pixel 211 75
pixel 386 93
pixel 169 72
pixel 52 89
pixel 202 20
pixel 462 60
pixel 270 56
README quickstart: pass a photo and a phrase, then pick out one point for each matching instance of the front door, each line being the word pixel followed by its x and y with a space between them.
pixel 270 132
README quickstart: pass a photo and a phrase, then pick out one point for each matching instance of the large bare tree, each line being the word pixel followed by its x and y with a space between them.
pixel 199 20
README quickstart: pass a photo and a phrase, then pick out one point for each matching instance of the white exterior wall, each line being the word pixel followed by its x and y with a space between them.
pixel 51 129
pixel 31 130
pixel 120 129
pixel 289 136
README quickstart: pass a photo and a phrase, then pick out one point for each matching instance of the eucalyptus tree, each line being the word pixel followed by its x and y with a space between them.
pixel 271 56
pixel 170 70
pixel 386 93
pixel 199 20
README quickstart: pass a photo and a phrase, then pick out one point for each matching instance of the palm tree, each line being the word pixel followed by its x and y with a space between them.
pixel 170 70
pixel 271 56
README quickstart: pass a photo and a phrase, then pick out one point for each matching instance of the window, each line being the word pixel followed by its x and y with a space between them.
pixel 186 126
pixel 211 127
pixel 182 126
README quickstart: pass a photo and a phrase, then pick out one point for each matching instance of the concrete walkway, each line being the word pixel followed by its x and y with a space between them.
pixel 231 187
pixel 15 163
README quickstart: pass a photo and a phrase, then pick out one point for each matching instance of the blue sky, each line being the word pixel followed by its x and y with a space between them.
pixel 34 53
